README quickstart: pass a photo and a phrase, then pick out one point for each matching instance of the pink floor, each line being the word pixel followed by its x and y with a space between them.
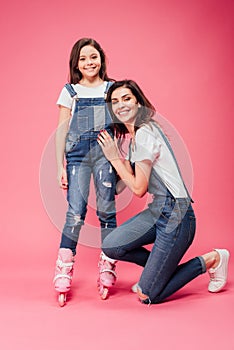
pixel 32 320
pixel 181 53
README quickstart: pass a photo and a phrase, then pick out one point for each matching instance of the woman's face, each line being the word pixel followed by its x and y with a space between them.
pixel 124 105
pixel 89 62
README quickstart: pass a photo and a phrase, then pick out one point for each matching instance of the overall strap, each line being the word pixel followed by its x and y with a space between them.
pixel 108 85
pixel 173 155
pixel 71 90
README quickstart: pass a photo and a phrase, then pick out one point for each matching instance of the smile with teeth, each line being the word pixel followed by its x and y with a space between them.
pixel 124 112
pixel 90 68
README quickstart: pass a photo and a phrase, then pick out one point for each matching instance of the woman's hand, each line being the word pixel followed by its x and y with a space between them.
pixel 138 182
pixel 62 178
pixel 108 145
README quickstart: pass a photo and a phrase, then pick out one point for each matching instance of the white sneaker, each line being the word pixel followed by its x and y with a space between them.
pixel 218 275
pixel 134 288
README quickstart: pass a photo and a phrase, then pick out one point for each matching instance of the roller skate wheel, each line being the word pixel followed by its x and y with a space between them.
pixel 104 293
pixel 62 299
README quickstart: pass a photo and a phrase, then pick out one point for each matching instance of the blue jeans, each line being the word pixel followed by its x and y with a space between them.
pixel 79 170
pixel 85 157
pixel 170 225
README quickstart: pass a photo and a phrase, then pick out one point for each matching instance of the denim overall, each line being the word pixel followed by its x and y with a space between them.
pixel 169 224
pixel 84 157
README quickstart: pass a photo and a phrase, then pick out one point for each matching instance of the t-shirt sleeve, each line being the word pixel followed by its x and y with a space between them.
pixel 65 99
pixel 147 145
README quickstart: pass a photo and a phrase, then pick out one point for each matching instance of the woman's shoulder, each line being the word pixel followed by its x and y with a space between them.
pixel 148 134
pixel 148 128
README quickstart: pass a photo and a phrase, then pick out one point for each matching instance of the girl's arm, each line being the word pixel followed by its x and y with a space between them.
pixel 61 132
pixel 138 182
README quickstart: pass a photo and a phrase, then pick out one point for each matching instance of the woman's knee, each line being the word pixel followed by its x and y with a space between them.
pixel 113 248
pixel 111 252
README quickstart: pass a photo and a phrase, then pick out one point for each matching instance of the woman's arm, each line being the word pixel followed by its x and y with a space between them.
pixel 120 185
pixel 138 182
pixel 61 132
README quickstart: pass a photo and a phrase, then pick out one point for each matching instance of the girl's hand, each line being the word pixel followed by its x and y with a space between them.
pixel 62 178
pixel 108 145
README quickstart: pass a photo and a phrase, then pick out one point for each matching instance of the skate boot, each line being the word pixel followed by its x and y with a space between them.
pixel 63 274
pixel 107 275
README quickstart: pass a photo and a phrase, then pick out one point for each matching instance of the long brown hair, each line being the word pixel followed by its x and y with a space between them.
pixel 144 115
pixel 75 74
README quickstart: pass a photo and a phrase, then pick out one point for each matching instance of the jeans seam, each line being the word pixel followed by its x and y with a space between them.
pixel 162 267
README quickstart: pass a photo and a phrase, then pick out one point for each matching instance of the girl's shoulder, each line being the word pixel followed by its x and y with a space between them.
pixel 81 86
pixel 89 91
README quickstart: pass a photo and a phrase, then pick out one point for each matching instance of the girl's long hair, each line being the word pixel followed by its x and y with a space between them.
pixel 75 75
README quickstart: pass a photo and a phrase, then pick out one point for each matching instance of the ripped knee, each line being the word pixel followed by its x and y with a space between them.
pixel 74 219
pixel 77 219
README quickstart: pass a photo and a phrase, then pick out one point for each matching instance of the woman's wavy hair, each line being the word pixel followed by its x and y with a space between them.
pixel 75 75
pixel 145 112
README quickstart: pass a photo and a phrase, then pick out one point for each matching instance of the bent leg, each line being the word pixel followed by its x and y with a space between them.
pixel 162 276
pixel 183 274
pixel 126 241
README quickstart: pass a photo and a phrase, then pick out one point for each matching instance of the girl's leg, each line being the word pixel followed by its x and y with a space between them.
pixel 77 196
pixel 105 181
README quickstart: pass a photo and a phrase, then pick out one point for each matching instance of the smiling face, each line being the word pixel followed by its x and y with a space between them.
pixel 89 62
pixel 124 105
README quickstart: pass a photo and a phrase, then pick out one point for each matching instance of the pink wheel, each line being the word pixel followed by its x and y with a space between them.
pixel 104 293
pixel 62 299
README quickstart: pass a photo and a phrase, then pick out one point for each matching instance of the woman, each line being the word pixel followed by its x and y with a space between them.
pixel 169 221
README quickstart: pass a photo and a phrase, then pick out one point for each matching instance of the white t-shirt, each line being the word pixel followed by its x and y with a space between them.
pixel 149 144
pixel 66 100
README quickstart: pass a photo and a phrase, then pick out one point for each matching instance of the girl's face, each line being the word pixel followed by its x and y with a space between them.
pixel 124 105
pixel 89 62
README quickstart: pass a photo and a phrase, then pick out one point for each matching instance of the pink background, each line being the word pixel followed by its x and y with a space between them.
pixel 181 54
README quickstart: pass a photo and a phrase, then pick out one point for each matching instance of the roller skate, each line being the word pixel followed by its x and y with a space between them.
pixel 63 274
pixel 107 275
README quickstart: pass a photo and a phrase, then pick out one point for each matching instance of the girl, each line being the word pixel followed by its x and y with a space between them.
pixel 169 221
pixel 82 114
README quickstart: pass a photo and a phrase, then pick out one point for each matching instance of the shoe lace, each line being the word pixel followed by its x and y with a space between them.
pixel 107 266
pixel 65 268
pixel 212 276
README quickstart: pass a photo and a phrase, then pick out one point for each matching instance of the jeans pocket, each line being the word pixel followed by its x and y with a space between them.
pixel 84 114
pixel 71 142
